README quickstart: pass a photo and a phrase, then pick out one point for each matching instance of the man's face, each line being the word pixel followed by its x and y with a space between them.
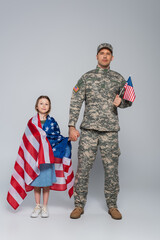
pixel 104 57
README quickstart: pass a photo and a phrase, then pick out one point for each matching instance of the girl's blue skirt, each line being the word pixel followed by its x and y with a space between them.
pixel 46 177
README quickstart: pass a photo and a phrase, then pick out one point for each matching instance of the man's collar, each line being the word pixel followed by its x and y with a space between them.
pixel 102 70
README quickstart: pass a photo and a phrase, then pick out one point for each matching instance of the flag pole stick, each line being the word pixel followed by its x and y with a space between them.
pixel 123 86
pixel 121 92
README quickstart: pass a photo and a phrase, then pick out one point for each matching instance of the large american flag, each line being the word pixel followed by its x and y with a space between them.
pixel 129 93
pixel 34 150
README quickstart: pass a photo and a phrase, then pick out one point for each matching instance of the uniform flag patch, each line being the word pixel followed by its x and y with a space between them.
pixel 76 88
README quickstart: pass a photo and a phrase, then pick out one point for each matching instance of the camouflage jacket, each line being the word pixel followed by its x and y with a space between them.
pixel 98 88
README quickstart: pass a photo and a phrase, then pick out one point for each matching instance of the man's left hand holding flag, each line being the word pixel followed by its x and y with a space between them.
pixel 117 101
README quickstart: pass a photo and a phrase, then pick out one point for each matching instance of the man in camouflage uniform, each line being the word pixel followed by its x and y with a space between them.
pixel 100 90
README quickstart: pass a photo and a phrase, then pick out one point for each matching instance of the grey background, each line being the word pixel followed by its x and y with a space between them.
pixel 45 47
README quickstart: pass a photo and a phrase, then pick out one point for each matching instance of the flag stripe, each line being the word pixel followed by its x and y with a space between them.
pixel 18 187
pixel 34 150
pixel 58 167
pixel 66 161
pixel 58 160
pixel 30 162
pixel 71 183
pixel 19 170
pixel 69 178
pixel 29 170
pixel 41 158
pixel 20 161
pixel 58 187
pixel 70 192
pixel 12 201
pixel 60 180
pixel 28 146
pixel 129 93
pixel 59 173
pixel 32 139
pixel 19 179
pixel 15 194
pixel 29 179
pixel 34 130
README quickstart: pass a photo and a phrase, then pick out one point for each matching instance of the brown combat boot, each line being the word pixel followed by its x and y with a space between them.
pixel 115 213
pixel 76 213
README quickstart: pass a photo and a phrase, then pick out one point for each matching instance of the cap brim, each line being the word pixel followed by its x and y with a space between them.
pixel 104 48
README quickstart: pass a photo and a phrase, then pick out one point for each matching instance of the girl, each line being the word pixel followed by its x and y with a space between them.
pixel 43 154
pixel 47 171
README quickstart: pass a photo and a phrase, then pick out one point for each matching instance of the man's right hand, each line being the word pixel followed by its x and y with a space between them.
pixel 73 134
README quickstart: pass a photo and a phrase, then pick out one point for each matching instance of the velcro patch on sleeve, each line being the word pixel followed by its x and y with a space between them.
pixel 76 88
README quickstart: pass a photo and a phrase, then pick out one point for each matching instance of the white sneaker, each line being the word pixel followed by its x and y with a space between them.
pixel 44 213
pixel 36 211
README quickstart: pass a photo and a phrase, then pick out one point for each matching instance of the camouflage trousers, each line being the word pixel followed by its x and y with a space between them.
pixel 107 142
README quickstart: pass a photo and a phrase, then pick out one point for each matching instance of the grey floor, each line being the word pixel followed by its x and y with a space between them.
pixel 140 209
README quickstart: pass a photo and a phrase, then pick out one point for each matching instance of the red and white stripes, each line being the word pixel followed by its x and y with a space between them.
pixel 64 175
pixel 129 93
pixel 34 150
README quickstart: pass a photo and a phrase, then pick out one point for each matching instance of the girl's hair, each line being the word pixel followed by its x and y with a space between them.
pixel 46 97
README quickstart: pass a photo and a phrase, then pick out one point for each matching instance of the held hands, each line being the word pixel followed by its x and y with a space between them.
pixel 73 134
pixel 117 101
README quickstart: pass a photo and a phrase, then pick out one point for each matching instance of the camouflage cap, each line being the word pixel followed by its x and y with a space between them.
pixel 105 45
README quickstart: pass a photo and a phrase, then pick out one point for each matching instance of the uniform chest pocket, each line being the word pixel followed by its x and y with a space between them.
pixel 114 87
pixel 93 88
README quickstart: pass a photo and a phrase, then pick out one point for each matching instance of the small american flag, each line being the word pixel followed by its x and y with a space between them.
pixel 129 93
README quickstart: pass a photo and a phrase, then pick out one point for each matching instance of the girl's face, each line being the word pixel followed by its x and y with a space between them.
pixel 43 106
